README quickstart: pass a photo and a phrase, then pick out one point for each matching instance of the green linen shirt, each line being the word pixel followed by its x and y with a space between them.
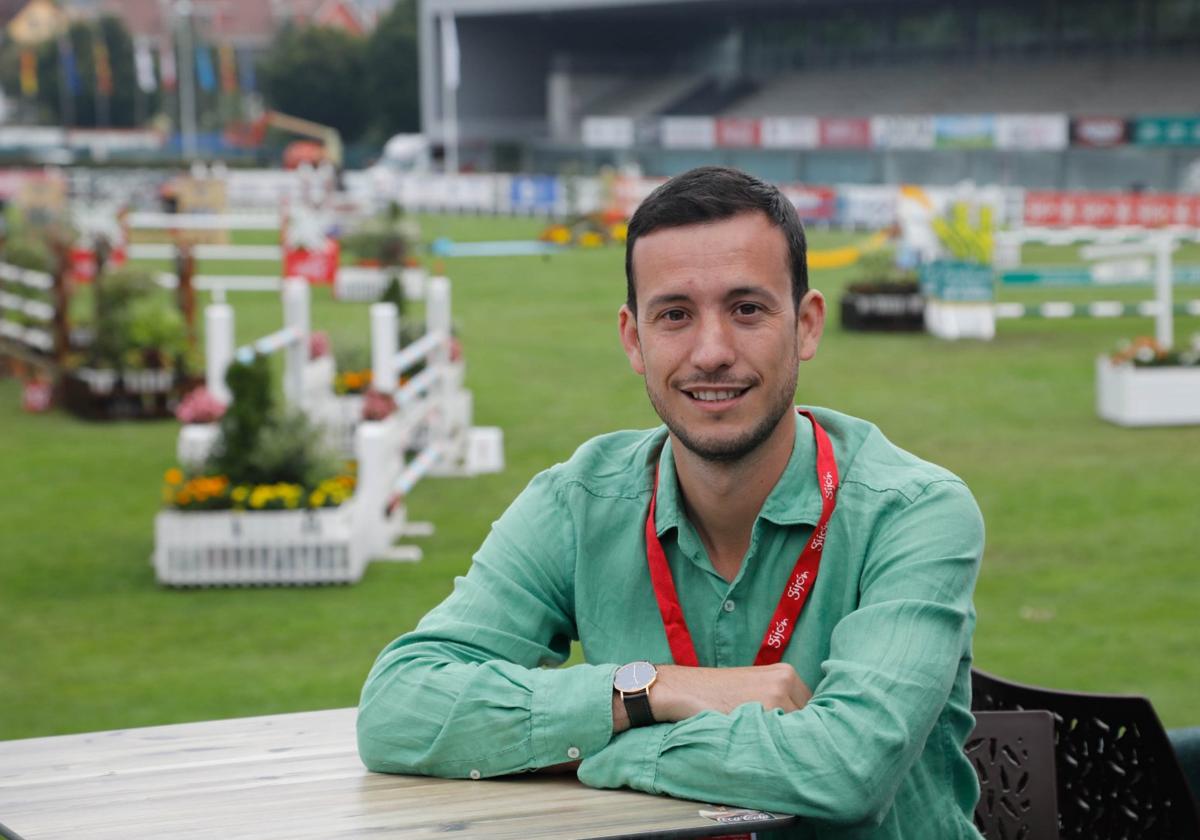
pixel 884 642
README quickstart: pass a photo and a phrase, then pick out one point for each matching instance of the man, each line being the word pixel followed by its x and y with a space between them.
pixel 801 586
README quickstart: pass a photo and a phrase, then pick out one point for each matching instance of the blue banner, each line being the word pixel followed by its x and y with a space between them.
pixel 206 75
pixel 245 63
pixel 534 193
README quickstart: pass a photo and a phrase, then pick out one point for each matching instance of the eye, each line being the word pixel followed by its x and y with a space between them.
pixel 747 309
pixel 673 315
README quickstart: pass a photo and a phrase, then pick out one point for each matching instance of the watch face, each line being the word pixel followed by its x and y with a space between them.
pixel 635 676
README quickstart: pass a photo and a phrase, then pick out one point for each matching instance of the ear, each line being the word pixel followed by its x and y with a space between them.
pixel 627 323
pixel 810 323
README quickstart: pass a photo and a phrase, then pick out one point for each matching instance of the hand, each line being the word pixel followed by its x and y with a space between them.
pixel 681 692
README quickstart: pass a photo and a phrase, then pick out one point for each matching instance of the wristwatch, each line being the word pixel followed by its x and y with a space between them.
pixel 633 683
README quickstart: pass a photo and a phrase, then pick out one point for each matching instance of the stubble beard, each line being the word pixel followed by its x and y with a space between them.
pixel 729 451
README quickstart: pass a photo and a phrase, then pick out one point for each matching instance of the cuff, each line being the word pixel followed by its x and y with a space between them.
pixel 571 712
pixel 630 760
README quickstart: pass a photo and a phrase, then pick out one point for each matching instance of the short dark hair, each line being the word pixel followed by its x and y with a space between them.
pixel 711 194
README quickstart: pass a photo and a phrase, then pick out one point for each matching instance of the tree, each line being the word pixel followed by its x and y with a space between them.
pixel 392 72
pixel 317 73
pixel 82 37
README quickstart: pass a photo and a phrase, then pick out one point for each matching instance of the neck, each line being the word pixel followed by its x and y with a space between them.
pixel 722 499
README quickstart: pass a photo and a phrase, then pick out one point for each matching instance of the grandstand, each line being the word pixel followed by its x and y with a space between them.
pixel 1036 94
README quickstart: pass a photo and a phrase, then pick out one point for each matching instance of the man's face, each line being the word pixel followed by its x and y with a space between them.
pixel 716 334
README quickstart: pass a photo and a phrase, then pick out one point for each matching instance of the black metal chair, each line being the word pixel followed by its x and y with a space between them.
pixel 1013 755
pixel 1118 777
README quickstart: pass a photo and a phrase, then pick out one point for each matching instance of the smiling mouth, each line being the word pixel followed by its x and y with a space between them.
pixel 715 395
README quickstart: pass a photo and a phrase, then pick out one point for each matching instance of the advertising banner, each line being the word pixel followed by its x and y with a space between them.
pixel 1058 209
pixel 902 132
pixel 534 193
pixel 1167 131
pixel 1099 132
pixel 964 131
pixel 316 266
pixel 844 132
pixel 872 207
pixel 608 132
pixel 789 132
pixel 812 203
pixel 688 132
pixel 1032 131
pixel 629 191
pixel 738 133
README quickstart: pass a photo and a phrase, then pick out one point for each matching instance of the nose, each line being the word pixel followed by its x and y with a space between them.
pixel 714 347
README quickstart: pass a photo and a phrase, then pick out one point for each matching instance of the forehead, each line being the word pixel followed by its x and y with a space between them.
pixel 746 248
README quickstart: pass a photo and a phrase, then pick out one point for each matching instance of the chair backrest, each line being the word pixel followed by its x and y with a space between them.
pixel 1013 755
pixel 1118 776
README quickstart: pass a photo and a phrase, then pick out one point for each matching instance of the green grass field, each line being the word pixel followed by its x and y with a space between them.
pixel 1090 580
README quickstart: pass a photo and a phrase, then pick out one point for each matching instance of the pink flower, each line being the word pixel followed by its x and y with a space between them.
pixel 318 344
pixel 377 406
pixel 199 406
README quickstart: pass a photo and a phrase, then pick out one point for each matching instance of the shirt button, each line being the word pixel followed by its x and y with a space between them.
pixel 728 606
pixel 573 752
pixel 474 774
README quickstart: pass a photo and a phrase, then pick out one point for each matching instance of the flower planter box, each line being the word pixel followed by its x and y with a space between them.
pixel 1147 396
pixel 257 548
pixel 884 307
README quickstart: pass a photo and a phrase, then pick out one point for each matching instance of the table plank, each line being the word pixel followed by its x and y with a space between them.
pixel 296 776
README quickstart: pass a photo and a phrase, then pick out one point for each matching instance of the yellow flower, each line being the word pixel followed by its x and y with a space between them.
pixel 174 475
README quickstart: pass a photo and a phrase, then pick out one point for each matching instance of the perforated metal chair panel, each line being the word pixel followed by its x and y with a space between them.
pixel 1013 755
pixel 1118 777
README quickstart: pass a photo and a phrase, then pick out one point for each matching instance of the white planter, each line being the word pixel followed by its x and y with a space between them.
pixel 953 320
pixel 148 381
pixel 1147 396
pixel 318 378
pixel 240 548
pixel 196 442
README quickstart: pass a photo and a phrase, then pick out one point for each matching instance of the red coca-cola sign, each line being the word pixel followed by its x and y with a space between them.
pixel 315 266
pixel 1092 209
pixel 736 132
pixel 844 132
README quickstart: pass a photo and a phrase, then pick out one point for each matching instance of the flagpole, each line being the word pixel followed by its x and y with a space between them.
pixel 186 73
pixel 450 81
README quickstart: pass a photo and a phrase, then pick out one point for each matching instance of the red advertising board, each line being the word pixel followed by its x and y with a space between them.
pixel 82 262
pixel 812 203
pixel 1099 132
pixel 318 266
pixel 844 132
pixel 1061 209
pixel 737 132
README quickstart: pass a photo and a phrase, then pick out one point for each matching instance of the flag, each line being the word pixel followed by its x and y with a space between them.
pixel 104 80
pixel 245 65
pixel 228 63
pixel 29 77
pixel 166 63
pixel 144 63
pixel 450 56
pixel 206 76
pixel 66 58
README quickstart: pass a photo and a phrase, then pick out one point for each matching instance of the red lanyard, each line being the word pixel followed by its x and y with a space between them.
pixel 795 594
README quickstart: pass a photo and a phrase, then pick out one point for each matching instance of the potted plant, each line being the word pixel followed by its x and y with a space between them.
pixel 1145 383
pixel 887 299
pixel 268 504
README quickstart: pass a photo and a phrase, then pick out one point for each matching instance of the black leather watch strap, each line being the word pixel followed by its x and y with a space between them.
pixel 637 706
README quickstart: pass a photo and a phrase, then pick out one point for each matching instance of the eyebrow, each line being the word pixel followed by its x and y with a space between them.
pixel 736 292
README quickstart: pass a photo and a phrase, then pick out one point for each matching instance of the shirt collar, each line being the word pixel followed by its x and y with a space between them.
pixel 795 499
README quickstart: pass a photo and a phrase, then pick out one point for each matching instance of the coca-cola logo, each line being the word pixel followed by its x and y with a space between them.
pixel 1100 131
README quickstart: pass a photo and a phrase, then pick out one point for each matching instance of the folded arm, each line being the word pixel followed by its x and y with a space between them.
pixel 466 693
pixel 889 674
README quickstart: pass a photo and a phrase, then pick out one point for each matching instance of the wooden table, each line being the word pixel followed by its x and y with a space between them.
pixel 298 776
